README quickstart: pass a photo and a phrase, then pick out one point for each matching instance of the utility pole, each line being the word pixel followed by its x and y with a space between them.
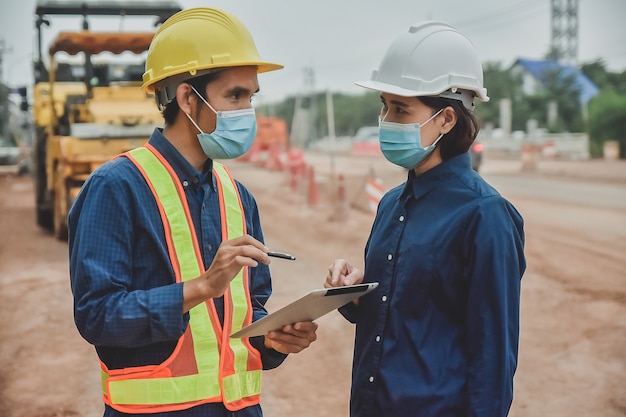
pixel 3 49
pixel 303 127
pixel 564 45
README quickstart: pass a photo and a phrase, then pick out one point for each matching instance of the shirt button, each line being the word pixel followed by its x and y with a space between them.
pixel 378 338
pixel 384 298
pixel 185 183
pixel 401 218
pixel 371 379
pixel 389 257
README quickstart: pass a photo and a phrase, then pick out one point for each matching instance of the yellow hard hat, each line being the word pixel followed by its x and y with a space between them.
pixel 199 39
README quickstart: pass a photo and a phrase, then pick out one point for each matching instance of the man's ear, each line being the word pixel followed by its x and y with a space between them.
pixel 449 120
pixel 185 98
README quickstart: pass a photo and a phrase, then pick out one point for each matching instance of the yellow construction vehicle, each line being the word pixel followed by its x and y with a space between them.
pixel 84 114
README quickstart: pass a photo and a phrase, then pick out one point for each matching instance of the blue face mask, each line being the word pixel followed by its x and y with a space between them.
pixel 234 132
pixel 401 143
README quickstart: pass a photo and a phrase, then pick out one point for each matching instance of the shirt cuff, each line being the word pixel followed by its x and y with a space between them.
pixel 349 311
pixel 270 357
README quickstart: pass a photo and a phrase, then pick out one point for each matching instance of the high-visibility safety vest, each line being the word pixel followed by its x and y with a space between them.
pixel 206 365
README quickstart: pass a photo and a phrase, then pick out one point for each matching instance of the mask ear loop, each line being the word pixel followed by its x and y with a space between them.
pixel 382 119
pixel 194 123
pixel 202 98
pixel 205 102
pixel 431 118
pixel 437 140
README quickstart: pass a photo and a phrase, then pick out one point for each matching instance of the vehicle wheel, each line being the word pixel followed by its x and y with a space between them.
pixel 60 199
pixel 42 200
pixel 60 220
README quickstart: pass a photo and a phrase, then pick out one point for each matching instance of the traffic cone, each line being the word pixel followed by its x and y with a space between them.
pixel 313 192
pixel 341 205
pixel 296 167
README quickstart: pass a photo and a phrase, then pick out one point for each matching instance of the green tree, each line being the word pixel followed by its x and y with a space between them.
pixel 617 81
pixel 502 84
pixel 596 71
pixel 561 88
pixel 607 121
pixel 350 111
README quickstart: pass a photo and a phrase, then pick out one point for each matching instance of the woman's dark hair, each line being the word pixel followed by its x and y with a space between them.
pixel 462 135
pixel 170 112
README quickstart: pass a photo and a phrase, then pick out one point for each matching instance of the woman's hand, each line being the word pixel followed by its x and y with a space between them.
pixel 341 273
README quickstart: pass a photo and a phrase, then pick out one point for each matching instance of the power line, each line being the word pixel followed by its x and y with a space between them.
pixel 3 49
pixel 484 24
pixel 497 17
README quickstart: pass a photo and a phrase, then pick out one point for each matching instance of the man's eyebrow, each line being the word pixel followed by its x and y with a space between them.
pixel 241 90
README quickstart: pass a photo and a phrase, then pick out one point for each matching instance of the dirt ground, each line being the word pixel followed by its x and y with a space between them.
pixel 573 328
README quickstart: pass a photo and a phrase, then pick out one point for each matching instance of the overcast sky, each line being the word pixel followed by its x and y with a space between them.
pixel 344 40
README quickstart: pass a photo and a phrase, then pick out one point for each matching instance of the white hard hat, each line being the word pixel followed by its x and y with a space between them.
pixel 431 59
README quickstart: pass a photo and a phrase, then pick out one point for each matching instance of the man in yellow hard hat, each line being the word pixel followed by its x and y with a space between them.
pixel 166 252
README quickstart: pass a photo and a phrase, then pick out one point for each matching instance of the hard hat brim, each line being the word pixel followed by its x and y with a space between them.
pixel 392 89
pixel 466 97
pixel 150 85
pixel 405 92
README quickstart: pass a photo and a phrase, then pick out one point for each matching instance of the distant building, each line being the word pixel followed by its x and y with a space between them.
pixel 535 74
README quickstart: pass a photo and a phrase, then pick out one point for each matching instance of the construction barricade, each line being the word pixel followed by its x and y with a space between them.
pixel 375 192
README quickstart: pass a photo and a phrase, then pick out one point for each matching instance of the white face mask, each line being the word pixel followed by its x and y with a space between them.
pixel 401 143
pixel 234 132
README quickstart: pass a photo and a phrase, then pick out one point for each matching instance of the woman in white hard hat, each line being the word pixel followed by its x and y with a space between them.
pixel 439 336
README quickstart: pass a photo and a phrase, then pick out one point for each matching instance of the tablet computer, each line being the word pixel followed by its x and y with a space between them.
pixel 308 308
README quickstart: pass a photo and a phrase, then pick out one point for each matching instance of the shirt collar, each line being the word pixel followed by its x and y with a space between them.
pixel 418 186
pixel 185 171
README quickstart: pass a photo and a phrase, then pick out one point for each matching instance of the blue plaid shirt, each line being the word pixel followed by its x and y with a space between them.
pixel 126 300
pixel 439 336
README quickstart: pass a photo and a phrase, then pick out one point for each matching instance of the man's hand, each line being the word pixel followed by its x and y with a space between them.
pixel 231 256
pixel 292 338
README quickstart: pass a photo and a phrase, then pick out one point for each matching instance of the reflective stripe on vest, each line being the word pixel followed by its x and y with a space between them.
pixel 228 370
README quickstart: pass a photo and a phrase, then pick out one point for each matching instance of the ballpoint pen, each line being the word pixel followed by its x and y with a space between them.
pixel 281 255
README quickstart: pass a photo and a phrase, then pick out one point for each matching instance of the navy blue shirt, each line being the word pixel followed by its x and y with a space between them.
pixel 126 300
pixel 439 336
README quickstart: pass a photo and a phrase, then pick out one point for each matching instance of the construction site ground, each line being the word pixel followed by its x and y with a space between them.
pixel 572 359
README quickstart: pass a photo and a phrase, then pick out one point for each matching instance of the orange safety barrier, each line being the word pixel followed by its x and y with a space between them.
pixel 274 162
pixel 374 188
